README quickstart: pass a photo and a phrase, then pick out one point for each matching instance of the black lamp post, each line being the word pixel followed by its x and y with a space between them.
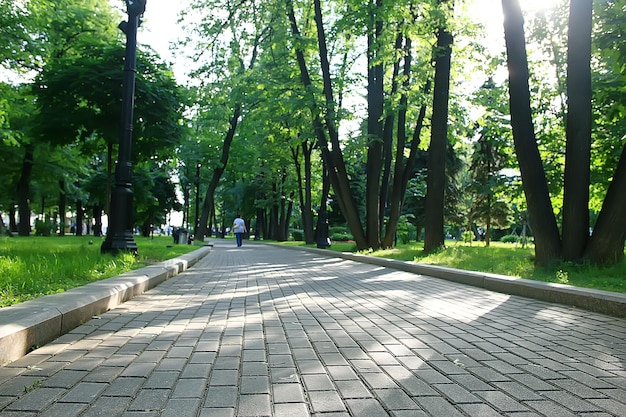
pixel 120 231
pixel 196 224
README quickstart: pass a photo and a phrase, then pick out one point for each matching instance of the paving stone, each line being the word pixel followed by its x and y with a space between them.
pixel 254 385
pixel 181 407
pixel 221 397
pixel 189 388
pixel 325 401
pixel 395 399
pixel 291 410
pixel 108 406
pixel 149 400
pixel 125 387
pixel 287 393
pixel 84 392
pixel 366 408
pixel 64 410
pixel 36 400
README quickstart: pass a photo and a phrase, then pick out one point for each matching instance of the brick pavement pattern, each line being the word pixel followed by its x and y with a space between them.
pixel 266 331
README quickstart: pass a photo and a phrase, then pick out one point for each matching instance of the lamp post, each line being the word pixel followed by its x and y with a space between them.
pixel 196 224
pixel 120 232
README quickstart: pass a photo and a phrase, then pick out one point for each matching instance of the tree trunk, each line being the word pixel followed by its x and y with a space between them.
pixel 436 180
pixel 386 181
pixel 13 227
pixel 23 191
pixel 97 217
pixel 209 199
pixel 578 130
pixel 606 245
pixel 373 170
pixel 304 189
pixel 62 214
pixel 79 218
pixel 307 220
pixel 541 215
pixel 333 160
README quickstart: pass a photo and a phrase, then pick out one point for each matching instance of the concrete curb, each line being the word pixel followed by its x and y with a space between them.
pixel 604 302
pixel 37 322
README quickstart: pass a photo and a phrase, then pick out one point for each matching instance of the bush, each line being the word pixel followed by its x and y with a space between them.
pixel 298 235
pixel 44 228
pixel 468 236
pixel 339 234
pixel 406 230
pixel 509 239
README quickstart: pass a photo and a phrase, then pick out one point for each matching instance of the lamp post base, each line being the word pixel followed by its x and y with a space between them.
pixel 115 244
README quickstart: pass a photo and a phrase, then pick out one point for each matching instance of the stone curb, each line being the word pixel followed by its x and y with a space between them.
pixel 37 322
pixel 604 302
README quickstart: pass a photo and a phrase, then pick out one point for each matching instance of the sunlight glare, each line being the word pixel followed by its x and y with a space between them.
pixel 538 6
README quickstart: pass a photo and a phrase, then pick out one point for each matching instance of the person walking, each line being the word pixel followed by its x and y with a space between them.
pixel 239 228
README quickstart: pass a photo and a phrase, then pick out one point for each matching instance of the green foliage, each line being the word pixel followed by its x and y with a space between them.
pixel 35 266
pixel 44 227
pixel 406 230
pixel 298 235
pixel 467 236
pixel 509 239
pixel 339 234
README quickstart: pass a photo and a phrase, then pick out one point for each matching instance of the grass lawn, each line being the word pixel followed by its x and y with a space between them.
pixel 34 266
pixel 504 259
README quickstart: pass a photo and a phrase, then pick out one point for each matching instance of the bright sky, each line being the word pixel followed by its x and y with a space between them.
pixel 160 27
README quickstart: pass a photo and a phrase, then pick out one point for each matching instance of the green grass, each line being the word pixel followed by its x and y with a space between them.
pixel 503 259
pixel 31 267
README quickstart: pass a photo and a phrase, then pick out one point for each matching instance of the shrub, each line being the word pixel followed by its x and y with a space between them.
pixel 509 239
pixel 406 230
pixel 468 236
pixel 339 234
pixel 298 235
pixel 43 228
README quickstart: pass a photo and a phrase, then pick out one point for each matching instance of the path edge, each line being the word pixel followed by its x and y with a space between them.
pixel 34 323
pixel 598 301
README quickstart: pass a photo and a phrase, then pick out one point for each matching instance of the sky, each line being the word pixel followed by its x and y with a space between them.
pixel 160 26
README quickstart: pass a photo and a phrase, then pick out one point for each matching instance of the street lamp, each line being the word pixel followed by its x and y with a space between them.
pixel 196 224
pixel 120 232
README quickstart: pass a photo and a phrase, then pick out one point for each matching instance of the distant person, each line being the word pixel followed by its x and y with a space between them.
pixel 239 228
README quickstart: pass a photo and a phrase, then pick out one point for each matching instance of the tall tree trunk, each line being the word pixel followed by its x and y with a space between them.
pixel 23 191
pixel 13 227
pixel 541 215
pixel 606 245
pixel 578 130
pixel 79 217
pixel 309 233
pixel 321 230
pixel 375 97
pixel 385 203
pixel 97 217
pixel 62 214
pixel 436 180
pixel 333 160
pixel 304 189
pixel 209 199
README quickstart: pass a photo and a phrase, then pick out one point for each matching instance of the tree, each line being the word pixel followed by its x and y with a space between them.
pixel 542 219
pixel 434 235
pixel 606 244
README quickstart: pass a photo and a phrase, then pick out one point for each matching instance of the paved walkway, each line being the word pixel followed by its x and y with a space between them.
pixel 265 331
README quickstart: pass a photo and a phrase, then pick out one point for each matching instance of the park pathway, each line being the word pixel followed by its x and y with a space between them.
pixel 267 331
